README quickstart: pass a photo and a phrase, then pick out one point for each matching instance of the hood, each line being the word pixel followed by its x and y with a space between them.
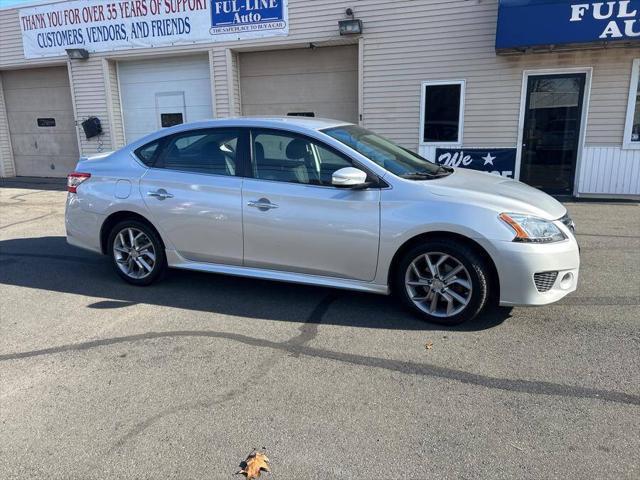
pixel 504 194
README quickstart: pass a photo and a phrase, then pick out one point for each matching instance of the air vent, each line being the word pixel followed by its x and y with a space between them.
pixel 545 280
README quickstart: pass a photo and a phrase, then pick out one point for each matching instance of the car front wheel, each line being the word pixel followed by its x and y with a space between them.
pixel 136 252
pixel 443 282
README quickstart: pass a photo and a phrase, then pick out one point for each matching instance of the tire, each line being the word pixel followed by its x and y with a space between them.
pixel 142 265
pixel 460 295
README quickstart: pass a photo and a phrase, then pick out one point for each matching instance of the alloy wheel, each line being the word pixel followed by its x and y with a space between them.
pixel 134 253
pixel 438 284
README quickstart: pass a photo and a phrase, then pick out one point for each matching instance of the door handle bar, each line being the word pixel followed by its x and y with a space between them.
pixel 160 194
pixel 262 205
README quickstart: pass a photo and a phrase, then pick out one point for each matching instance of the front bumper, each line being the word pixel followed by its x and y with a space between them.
pixel 517 263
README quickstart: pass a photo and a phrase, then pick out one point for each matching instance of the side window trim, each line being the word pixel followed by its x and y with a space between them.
pixel 154 158
pixel 376 180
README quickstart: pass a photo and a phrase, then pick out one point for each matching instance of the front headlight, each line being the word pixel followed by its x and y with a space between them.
pixel 532 229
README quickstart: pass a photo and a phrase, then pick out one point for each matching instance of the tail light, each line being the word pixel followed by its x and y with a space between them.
pixel 74 179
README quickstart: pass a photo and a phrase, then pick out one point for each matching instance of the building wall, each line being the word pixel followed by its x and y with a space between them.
pixel 112 89
pixel 6 155
pixel 404 43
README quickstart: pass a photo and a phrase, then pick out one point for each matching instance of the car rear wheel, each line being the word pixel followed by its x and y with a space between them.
pixel 136 252
pixel 444 282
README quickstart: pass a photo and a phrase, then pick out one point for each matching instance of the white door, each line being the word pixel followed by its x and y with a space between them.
pixel 320 82
pixel 295 221
pixel 41 123
pixel 163 90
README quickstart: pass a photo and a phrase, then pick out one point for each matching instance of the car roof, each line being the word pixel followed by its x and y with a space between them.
pixel 299 124
pixel 311 123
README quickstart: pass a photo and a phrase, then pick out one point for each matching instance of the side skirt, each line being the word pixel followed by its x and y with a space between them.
pixel 174 260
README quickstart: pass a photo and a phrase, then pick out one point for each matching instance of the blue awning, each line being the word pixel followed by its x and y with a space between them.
pixel 532 23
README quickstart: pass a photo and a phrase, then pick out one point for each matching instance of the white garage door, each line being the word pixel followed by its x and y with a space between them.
pixel 41 123
pixel 163 92
pixel 322 82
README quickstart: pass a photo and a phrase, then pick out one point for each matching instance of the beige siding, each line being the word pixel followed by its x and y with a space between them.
pixel 113 99
pixel 235 84
pixel 7 167
pixel 404 43
pixel 456 41
pixel 221 80
pixel 10 38
pixel 88 88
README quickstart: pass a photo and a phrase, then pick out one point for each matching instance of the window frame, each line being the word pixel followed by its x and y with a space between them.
pixel 374 179
pixel 166 140
pixel 432 83
pixel 161 143
pixel 627 143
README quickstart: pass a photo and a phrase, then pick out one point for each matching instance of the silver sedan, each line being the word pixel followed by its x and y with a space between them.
pixel 322 202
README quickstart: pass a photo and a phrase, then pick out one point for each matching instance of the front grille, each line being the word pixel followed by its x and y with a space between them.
pixel 545 280
pixel 570 224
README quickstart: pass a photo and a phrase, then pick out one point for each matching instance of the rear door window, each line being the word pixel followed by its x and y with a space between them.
pixel 211 151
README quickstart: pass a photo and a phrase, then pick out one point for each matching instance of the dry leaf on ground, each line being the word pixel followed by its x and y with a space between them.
pixel 255 463
pixel 428 345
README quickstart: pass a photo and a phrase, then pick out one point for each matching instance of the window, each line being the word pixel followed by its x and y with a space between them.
pixel 147 152
pixel 170 119
pixel 286 157
pixel 201 151
pixel 442 112
pixel 632 127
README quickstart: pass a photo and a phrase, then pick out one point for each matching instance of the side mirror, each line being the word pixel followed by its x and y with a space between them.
pixel 349 177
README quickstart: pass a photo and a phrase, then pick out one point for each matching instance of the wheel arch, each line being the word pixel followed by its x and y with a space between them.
pixel 494 285
pixel 119 216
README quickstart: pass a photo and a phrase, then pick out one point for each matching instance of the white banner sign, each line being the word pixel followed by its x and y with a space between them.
pixel 101 26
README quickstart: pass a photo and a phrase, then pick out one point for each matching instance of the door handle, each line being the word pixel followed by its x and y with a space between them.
pixel 160 194
pixel 263 204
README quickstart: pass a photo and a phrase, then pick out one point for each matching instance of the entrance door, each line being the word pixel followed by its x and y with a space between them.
pixel 551 133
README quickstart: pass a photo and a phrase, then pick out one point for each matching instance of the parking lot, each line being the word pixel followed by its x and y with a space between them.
pixel 99 379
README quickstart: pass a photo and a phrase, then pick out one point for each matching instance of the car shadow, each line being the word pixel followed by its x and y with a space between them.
pixel 49 263
pixel 35 183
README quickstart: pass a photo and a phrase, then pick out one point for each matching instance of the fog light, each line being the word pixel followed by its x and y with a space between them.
pixel 567 281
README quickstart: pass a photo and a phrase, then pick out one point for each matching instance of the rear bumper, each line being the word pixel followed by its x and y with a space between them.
pixel 82 227
pixel 517 263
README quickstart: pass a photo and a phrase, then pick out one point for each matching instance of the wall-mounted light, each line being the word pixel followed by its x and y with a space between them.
pixel 353 26
pixel 77 53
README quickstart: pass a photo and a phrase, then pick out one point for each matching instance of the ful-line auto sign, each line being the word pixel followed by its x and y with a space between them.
pixel 230 17
pixel 532 23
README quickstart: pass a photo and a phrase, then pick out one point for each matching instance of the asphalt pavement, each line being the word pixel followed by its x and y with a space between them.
pixel 99 379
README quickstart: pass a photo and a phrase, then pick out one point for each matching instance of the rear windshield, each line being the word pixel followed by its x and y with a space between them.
pixel 385 153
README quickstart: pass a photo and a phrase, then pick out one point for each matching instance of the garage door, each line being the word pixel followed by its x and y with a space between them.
pixel 322 82
pixel 41 123
pixel 163 92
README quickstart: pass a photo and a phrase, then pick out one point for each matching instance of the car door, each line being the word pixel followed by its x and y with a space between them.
pixel 193 193
pixel 295 220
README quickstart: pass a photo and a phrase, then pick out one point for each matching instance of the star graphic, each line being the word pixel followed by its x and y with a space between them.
pixel 488 159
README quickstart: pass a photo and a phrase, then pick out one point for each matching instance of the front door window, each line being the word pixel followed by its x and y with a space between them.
pixel 287 157
pixel 552 131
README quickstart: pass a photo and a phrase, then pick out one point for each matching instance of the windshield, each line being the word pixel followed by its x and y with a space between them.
pixel 385 153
